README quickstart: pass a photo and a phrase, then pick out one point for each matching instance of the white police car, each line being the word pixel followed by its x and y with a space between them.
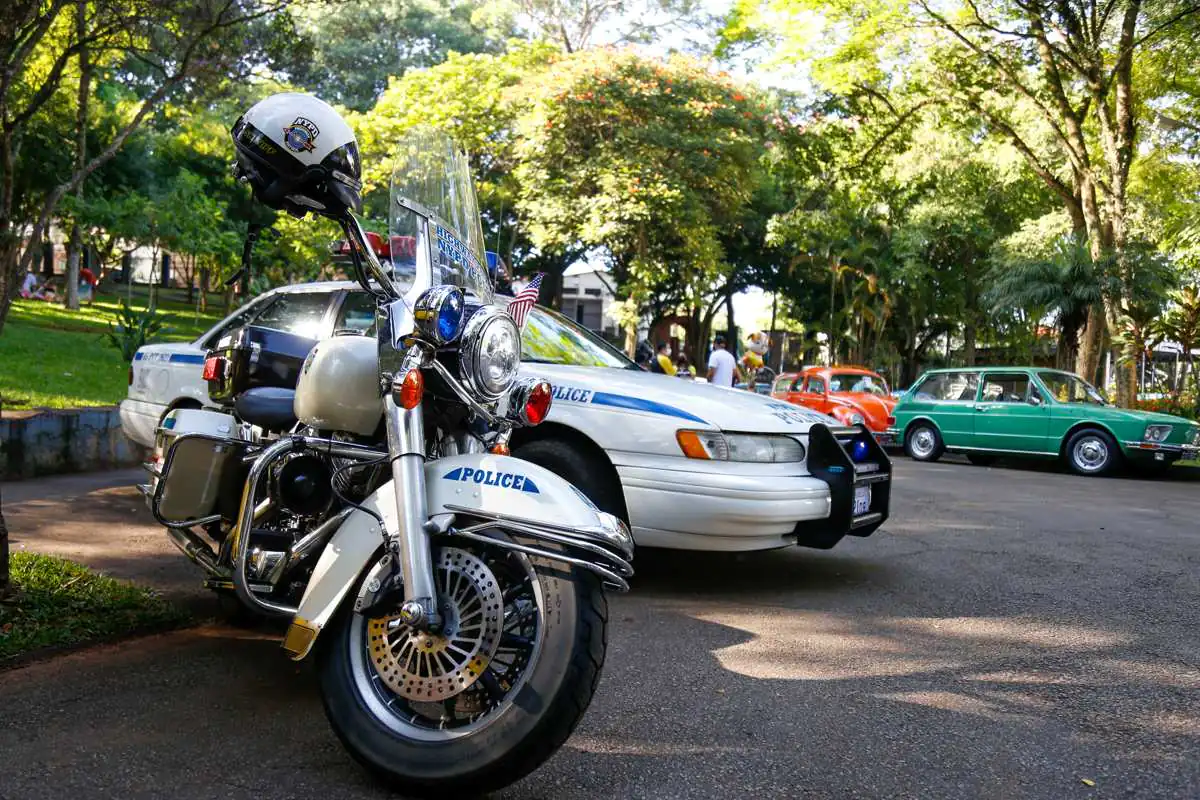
pixel 688 465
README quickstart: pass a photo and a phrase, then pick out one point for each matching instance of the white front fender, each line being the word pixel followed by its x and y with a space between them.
pixel 489 484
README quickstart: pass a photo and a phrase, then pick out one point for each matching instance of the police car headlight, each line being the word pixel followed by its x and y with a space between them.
pixel 716 446
pixel 490 353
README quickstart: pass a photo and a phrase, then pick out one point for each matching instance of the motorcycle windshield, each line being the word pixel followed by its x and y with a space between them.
pixel 435 234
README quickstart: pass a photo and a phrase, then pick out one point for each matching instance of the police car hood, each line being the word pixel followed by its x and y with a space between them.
pixel 680 402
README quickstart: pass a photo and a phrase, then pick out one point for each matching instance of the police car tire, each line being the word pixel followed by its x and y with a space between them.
pixel 578 467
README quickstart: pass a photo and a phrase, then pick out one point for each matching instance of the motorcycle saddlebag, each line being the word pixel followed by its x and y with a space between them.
pixel 255 356
pixel 196 454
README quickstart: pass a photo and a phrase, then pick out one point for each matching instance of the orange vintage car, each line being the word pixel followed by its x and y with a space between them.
pixel 851 395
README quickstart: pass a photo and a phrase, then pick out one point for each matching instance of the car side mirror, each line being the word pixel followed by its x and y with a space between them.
pixel 1035 400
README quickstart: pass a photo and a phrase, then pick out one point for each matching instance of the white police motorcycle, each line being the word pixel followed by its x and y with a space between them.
pixel 452 595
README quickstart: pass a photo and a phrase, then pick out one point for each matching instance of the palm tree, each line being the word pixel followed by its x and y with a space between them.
pixel 1181 324
pixel 1064 285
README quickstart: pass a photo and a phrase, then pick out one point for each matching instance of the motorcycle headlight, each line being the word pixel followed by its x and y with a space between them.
pixel 1157 433
pixel 490 353
pixel 714 446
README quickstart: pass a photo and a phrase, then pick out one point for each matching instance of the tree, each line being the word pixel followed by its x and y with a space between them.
pixel 346 52
pixel 164 48
pixel 1181 324
pixel 1057 80
pixel 646 163
pixel 576 25
pixel 473 99
pixel 1045 269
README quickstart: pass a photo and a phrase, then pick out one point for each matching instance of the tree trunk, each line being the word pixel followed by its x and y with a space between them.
pixel 4 578
pixel 10 244
pixel 776 353
pixel 1125 368
pixel 191 281
pixel 969 341
pixel 81 117
pixel 732 325
pixel 1087 358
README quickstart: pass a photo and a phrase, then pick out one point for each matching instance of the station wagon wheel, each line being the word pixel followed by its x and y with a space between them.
pixel 1092 452
pixel 924 443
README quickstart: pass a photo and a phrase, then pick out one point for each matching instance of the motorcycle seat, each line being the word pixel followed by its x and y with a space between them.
pixel 268 407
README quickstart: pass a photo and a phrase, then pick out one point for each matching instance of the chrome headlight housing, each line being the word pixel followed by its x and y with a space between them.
pixel 857 419
pixel 1157 433
pixel 754 448
pixel 490 353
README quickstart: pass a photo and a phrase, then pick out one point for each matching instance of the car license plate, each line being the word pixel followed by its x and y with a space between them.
pixel 862 500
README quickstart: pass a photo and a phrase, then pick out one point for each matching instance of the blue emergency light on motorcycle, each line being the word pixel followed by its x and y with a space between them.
pixel 859 451
pixel 439 314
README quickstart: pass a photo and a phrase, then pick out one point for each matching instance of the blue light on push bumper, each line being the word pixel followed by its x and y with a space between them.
pixel 859 451
pixel 450 317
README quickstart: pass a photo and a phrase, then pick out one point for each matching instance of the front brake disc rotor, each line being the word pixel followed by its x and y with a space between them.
pixel 428 667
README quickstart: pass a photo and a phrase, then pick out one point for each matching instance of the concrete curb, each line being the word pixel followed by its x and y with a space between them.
pixel 57 441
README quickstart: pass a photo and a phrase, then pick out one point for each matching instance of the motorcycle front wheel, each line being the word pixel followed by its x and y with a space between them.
pixel 486 701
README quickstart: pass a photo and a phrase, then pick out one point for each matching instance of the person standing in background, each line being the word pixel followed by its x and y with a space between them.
pixel 662 360
pixel 722 367
pixel 87 285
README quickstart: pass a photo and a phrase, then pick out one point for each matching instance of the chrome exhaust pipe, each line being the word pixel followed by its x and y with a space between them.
pixel 197 550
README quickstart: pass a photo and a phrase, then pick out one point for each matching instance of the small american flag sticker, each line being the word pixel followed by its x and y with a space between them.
pixel 518 309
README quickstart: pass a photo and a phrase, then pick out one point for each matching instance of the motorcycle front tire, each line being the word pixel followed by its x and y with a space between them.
pixel 544 713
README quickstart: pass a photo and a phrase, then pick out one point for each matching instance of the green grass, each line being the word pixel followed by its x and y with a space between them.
pixel 59 603
pixel 54 358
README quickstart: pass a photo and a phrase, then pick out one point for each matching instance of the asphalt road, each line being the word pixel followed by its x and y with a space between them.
pixel 1009 633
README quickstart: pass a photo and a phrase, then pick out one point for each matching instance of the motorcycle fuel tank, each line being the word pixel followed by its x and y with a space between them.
pixel 339 386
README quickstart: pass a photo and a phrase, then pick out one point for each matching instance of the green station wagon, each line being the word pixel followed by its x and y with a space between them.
pixel 988 412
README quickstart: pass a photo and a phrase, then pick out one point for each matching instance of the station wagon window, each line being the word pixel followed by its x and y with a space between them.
pixel 816 385
pixel 299 313
pixel 948 386
pixel 1068 388
pixel 1005 387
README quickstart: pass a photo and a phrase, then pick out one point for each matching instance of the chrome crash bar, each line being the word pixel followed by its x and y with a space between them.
pixel 605 550
pixel 240 534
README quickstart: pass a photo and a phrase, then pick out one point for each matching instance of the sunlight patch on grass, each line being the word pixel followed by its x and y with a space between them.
pixel 60 603
pixel 51 357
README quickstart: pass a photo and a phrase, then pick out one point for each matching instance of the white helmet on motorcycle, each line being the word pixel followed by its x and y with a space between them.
pixel 299 155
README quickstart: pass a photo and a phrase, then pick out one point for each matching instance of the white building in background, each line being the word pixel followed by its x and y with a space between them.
pixel 587 297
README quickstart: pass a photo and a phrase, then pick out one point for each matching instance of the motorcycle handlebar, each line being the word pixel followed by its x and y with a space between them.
pixel 360 251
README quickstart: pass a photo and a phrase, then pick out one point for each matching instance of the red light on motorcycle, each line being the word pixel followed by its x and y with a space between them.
pixel 500 449
pixel 214 368
pixel 412 389
pixel 538 404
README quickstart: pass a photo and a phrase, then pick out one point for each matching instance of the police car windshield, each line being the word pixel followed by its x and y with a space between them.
pixel 551 338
